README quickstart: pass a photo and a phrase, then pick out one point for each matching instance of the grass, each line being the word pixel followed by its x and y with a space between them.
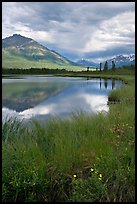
pixel 17 62
pixel 62 160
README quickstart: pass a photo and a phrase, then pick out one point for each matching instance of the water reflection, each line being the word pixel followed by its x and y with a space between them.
pixel 20 96
pixel 113 84
pixel 100 83
pixel 53 96
pixel 107 82
pixel 62 106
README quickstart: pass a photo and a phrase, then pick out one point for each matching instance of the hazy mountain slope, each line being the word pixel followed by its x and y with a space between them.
pixel 86 62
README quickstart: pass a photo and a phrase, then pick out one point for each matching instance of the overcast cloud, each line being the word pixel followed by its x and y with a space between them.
pixel 95 30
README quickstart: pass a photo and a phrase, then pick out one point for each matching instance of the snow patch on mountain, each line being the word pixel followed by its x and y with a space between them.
pixel 120 60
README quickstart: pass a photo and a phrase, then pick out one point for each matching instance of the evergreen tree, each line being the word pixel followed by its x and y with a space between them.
pixel 100 66
pixel 106 66
pixel 113 65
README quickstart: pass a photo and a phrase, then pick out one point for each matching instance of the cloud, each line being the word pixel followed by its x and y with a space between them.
pixel 115 32
pixel 73 27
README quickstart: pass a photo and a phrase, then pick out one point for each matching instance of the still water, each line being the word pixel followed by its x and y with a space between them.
pixel 41 97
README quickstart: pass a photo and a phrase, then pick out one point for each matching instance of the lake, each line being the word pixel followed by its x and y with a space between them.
pixel 41 97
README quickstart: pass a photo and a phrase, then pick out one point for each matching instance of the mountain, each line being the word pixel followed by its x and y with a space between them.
pixel 86 62
pixel 120 60
pixel 22 52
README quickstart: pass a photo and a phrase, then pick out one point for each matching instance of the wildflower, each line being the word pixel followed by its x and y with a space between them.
pixel 100 175
pixel 96 172
pixel 100 179
pixel 92 169
pixel 74 176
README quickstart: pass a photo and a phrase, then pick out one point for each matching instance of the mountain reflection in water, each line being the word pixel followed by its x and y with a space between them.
pixel 55 96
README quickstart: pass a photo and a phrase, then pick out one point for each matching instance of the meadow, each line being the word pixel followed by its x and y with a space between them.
pixel 82 159
pixel 16 62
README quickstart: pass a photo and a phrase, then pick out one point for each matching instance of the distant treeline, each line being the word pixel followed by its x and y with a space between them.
pixel 34 71
pixel 58 71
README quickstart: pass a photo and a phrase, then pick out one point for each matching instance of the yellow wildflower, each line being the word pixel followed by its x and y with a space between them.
pixel 74 175
pixel 92 169
pixel 100 175
pixel 100 179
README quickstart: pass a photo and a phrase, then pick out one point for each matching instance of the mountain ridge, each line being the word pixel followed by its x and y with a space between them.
pixel 18 48
pixel 120 60
pixel 22 52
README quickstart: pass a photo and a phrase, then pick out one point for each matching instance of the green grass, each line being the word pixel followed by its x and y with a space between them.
pixel 19 62
pixel 27 64
pixel 39 163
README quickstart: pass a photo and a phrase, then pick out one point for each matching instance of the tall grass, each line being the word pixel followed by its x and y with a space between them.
pixel 62 160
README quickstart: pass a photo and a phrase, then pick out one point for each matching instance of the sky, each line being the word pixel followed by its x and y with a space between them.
pixel 90 30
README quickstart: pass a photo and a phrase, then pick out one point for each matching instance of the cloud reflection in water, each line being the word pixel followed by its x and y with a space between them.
pixel 88 96
pixel 62 106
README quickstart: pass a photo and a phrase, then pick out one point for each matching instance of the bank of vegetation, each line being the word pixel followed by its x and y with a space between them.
pixel 85 159
pixel 68 70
